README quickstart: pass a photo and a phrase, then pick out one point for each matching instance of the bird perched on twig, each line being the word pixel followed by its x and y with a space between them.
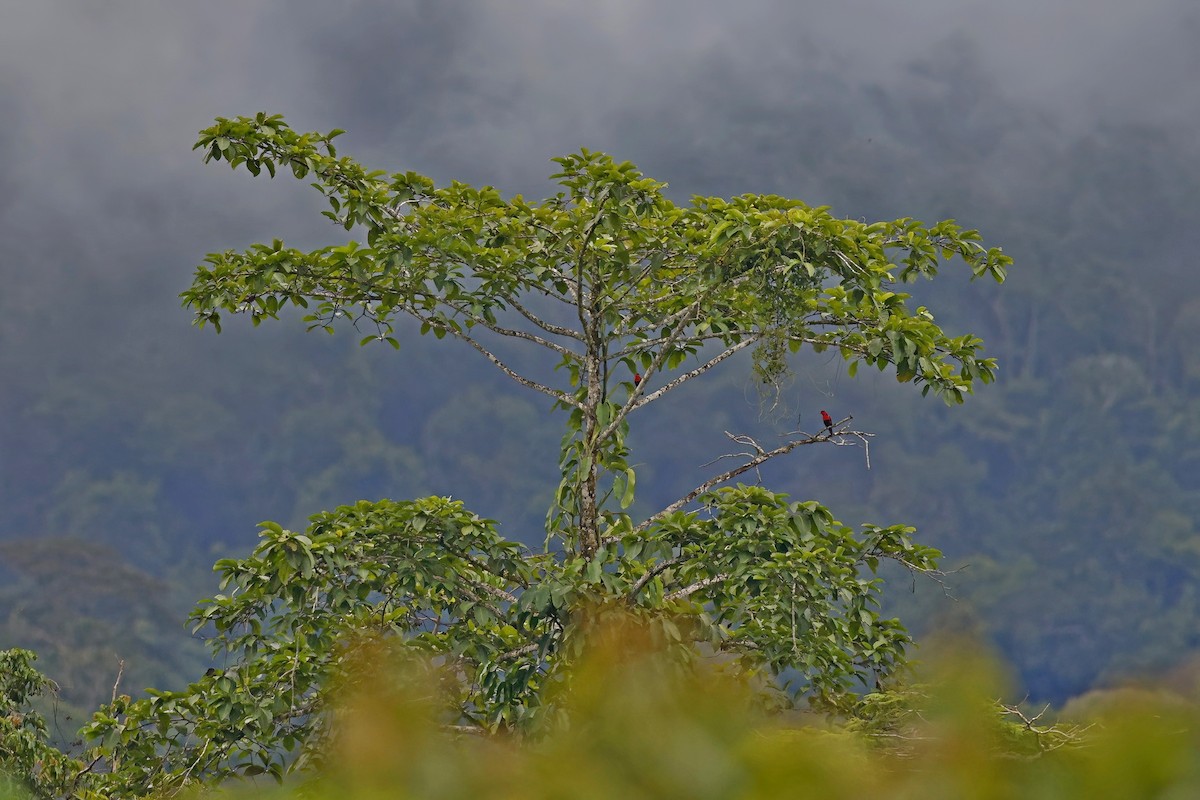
pixel 828 420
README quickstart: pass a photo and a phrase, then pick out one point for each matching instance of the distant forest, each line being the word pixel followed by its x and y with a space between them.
pixel 1068 492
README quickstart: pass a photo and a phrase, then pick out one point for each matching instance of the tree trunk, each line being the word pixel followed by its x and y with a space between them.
pixel 589 469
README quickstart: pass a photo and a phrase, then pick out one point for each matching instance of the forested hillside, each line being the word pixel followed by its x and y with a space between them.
pixel 136 450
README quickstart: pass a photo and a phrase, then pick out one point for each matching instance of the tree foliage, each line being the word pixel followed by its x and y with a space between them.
pixel 28 761
pixel 631 280
pixel 609 279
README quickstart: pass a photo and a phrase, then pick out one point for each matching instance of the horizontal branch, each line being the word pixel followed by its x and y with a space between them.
pixel 523 650
pixel 688 591
pixel 758 460
pixel 860 349
pixel 468 730
pixel 494 591
pixel 642 345
pixel 548 327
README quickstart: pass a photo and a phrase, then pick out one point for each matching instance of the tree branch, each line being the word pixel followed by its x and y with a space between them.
pixel 532 647
pixel 510 332
pixel 657 569
pixel 633 401
pixel 494 591
pixel 548 327
pixel 688 591
pixel 580 306
pixel 117 682
pixel 642 345
pixel 561 397
pixel 700 370
pixel 483 567
pixel 468 730
pixel 479 600
pixel 733 473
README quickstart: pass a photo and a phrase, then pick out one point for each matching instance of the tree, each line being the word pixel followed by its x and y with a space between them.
pixel 27 759
pixel 608 279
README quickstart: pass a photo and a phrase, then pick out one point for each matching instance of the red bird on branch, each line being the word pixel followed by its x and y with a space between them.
pixel 828 420
pixel 637 378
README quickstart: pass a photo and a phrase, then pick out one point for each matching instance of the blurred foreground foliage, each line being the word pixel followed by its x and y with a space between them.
pixel 638 723
pixel 642 727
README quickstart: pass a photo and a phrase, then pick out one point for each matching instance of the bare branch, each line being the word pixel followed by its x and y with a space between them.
pixel 740 439
pixel 637 399
pixel 642 345
pixel 1049 737
pixel 510 332
pixel 938 576
pixel 688 591
pixel 561 397
pixel 727 475
pixel 117 682
pixel 548 327
pixel 532 647
pixel 700 370
pixel 494 591
pixel 761 458
pixel 89 767
pixel 837 431
pixel 866 442
pixel 470 730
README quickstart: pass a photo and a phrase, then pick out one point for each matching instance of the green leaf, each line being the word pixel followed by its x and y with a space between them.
pixel 630 482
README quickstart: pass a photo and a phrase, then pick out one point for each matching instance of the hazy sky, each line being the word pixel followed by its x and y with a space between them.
pixel 105 208
pixel 107 97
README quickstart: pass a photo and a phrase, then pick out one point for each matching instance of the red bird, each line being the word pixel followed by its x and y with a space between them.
pixel 637 378
pixel 828 420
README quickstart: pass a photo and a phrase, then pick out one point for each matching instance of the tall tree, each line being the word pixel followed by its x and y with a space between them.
pixel 629 296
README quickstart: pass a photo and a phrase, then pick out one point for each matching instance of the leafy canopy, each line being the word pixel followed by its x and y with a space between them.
pixel 27 759
pixel 611 280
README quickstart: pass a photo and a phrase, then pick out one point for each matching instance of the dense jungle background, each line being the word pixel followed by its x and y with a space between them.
pixel 135 450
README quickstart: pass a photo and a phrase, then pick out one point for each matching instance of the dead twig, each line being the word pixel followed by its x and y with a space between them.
pixel 117 682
